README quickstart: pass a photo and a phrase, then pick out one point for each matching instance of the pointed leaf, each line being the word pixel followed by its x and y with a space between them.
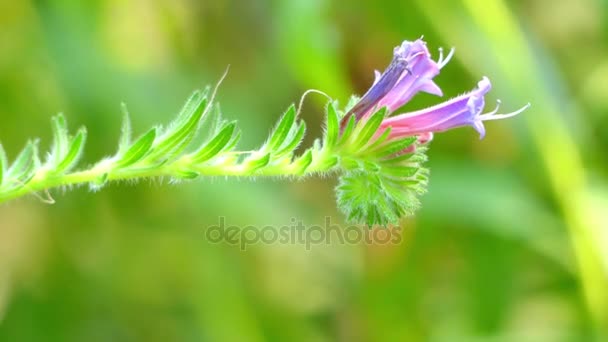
pixel 390 148
pixel 348 129
pixel 283 128
pixel 125 131
pixel 369 128
pixel 215 145
pixel 293 142
pixel 302 163
pixel 138 150
pixel 60 139
pixel 332 131
pixel 74 152
pixel 24 167
pixel 256 164
pixel 177 138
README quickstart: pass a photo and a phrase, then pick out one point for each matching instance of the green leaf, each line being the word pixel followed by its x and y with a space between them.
pixel 138 150
pixel 399 171
pixel 215 145
pixel 293 142
pixel 302 163
pixel 256 164
pixel 332 131
pixel 348 129
pixel 74 152
pixel 99 182
pixel 329 162
pixel 369 129
pixel 283 129
pixel 125 131
pixel 390 148
pixel 187 174
pixel 24 167
pixel 177 138
pixel 60 139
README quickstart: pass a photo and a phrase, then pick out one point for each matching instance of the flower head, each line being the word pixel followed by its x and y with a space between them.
pixel 411 71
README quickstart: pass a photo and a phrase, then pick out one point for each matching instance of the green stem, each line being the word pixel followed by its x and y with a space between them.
pixel 44 181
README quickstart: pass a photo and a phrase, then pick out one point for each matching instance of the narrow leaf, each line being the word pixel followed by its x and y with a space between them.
pixel 215 145
pixel 125 131
pixel 293 142
pixel 24 167
pixel 302 163
pixel 332 131
pixel 138 150
pixel 369 128
pixel 256 164
pixel 283 128
pixel 74 152
pixel 178 138
pixel 350 125
pixel 60 139
pixel 391 147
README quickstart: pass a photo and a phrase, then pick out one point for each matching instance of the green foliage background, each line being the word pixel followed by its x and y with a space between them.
pixel 511 242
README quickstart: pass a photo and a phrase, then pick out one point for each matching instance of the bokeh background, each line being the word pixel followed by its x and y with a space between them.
pixel 511 243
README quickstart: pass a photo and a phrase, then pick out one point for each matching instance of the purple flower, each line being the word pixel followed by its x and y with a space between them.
pixel 464 110
pixel 412 70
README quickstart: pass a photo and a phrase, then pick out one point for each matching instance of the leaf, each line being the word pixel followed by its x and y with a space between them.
pixel 302 163
pixel 187 174
pixel 74 152
pixel 138 150
pixel 60 139
pixel 256 164
pixel 332 131
pixel 215 145
pixel 178 137
pixel 390 148
pixel 283 129
pixel 24 167
pixel 294 141
pixel 329 162
pixel 125 131
pixel 348 129
pixel 369 128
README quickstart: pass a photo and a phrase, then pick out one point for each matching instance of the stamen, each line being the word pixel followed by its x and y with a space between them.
pixel 443 61
pixel 493 116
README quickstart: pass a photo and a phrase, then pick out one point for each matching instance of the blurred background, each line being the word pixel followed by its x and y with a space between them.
pixel 511 243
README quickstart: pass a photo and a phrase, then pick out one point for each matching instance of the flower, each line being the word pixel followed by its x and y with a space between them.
pixel 411 71
pixel 464 110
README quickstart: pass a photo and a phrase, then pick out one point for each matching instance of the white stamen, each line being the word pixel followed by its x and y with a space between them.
pixel 443 61
pixel 493 116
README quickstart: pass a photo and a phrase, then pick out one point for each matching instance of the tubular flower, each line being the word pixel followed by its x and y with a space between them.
pixel 411 71
pixel 464 110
